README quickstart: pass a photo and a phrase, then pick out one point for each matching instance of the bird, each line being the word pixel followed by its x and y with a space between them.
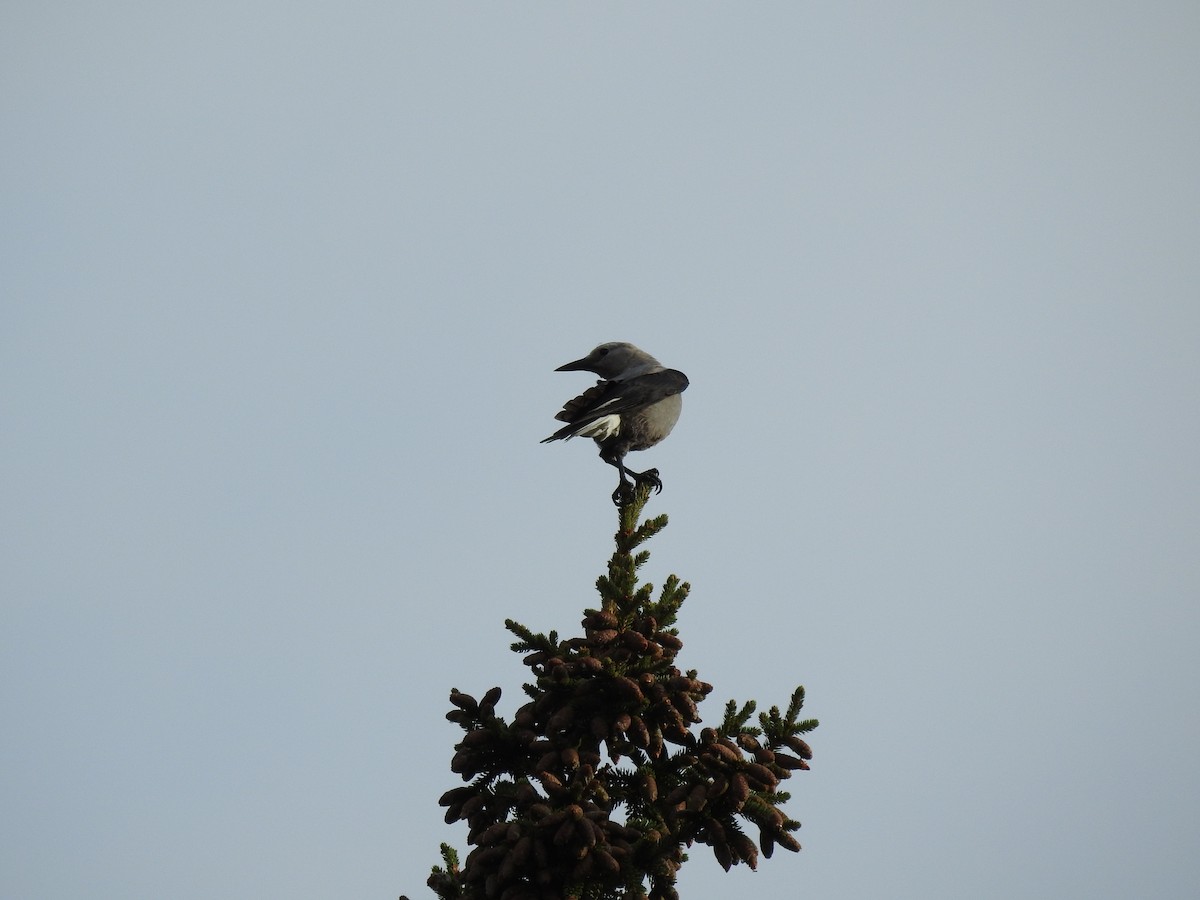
pixel 635 405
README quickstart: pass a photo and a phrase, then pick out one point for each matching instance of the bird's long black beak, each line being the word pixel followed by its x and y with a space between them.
pixel 579 365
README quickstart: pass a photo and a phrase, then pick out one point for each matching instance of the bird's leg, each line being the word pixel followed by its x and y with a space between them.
pixel 624 492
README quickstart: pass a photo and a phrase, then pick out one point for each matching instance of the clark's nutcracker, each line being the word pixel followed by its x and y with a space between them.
pixel 633 407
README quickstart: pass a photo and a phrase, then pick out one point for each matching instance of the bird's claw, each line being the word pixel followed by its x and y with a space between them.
pixel 650 476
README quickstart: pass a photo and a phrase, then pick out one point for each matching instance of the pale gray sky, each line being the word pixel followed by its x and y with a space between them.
pixel 283 288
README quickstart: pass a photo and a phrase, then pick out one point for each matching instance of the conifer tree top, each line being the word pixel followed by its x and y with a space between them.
pixel 601 781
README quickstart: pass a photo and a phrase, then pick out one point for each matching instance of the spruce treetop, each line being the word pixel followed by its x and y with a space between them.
pixel 600 782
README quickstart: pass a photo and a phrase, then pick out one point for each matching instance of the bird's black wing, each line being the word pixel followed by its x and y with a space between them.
pixel 608 398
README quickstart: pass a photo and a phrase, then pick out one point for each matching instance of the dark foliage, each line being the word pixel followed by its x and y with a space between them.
pixel 599 783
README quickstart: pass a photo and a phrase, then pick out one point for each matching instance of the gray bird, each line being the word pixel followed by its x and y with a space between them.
pixel 633 407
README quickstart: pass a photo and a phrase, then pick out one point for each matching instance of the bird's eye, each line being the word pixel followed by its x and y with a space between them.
pixel 603 351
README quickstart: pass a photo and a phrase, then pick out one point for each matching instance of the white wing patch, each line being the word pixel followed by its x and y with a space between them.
pixel 602 429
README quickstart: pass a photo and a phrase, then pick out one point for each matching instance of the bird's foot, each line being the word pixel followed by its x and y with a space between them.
pixel 626 490
pixel 650 477
pixel 623 495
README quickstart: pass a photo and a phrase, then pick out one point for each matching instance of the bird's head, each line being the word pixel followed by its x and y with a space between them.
pixel 613 359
